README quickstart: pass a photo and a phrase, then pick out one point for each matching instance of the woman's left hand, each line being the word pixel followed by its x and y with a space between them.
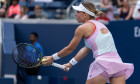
pixel 67 67
pixel 48 61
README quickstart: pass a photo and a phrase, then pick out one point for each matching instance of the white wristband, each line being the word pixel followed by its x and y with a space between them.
pixel 55 56
pixel 73 61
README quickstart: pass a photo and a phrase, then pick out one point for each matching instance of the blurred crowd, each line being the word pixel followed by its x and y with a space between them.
pixel 113 10
pixel 24 9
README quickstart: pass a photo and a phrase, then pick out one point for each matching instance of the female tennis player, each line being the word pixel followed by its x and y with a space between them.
pixel 108 66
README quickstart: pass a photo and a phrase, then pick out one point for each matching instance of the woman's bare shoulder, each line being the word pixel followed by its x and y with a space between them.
pixel 85 25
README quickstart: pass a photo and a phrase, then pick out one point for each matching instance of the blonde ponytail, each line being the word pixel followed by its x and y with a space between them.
pixel 89 6
pixel 98 13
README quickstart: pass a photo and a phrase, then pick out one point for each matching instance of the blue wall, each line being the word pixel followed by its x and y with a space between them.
pixel 54 37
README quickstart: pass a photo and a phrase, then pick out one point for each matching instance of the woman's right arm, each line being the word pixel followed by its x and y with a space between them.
pixel 79 56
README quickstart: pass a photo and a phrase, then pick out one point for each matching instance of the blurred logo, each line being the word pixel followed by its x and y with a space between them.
pixel 136 31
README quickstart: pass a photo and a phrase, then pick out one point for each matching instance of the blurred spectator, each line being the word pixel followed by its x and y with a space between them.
pixel 4 4
pixel 114 2
pixel 1 3
pixel 30 1
pixel 14 9
pixel 72 14
pixel 120 3
pixel 107 4
pixel 39 13
pixel 47 1
pixel 126 11
pixel 23 3
pixel 22 14
pixel 3 8
pixel 33 40
pixel 60 14
pixel 8 2
pixel 136 13
pixel 2 13
pixel 23 0
pixel 117 16
pixel 104 19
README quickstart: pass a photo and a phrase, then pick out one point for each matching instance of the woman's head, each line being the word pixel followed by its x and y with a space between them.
pixel 37 9
pixel 125 3
pixel 86 11
pixel 22 10
pixel 15 2
pixel 105 2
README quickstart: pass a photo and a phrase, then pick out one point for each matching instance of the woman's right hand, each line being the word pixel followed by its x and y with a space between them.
pixel 68 65
pixel 48 60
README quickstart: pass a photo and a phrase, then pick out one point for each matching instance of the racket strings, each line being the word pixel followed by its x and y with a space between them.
pixel 20 53
pixel 27 56
pixel 21 59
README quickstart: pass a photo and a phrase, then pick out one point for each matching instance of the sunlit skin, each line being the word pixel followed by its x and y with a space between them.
pixel 80 16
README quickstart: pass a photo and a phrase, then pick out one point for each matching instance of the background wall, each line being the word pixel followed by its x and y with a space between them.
pixel 54 37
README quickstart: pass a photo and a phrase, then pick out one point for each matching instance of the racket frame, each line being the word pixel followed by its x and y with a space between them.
pixel 40 60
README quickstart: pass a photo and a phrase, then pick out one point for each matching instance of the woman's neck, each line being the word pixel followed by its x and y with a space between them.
pixel 88 19
pixel 126 6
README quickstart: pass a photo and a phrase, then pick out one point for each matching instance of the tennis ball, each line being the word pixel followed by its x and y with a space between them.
pixel 43 60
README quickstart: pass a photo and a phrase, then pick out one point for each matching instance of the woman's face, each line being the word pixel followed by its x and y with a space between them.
pixel 15 2
pixel 105 2
pixel 125 3
pixel 37 9
pixel 22 10
pixel 80 16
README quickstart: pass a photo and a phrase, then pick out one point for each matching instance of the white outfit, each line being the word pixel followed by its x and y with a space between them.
pixel 23 18
pixel 136 13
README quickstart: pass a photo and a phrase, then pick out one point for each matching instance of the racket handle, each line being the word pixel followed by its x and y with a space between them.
pixel 59 66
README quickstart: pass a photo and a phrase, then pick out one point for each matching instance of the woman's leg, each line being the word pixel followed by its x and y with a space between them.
pixel 96 80
pixel 117 80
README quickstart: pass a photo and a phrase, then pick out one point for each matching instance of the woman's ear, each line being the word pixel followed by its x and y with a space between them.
pixel 85 15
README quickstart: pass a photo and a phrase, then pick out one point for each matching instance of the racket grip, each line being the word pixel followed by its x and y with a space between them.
pixel 59 66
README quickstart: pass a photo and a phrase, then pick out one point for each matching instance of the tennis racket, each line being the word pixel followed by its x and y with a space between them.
pixel 28 56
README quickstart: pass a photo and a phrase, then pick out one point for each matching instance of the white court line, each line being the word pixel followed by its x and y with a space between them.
pixel 11 76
